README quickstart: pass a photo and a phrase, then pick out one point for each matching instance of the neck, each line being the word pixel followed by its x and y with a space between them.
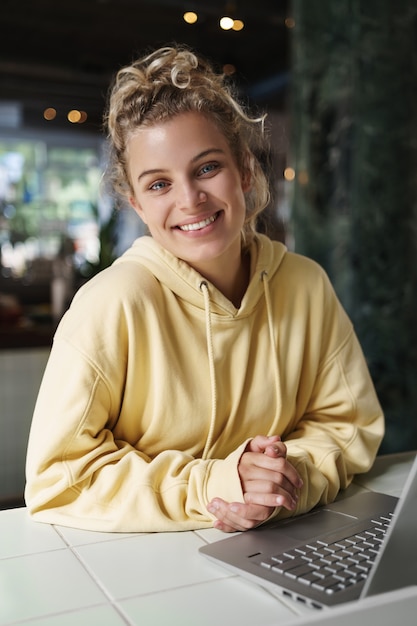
pixel 231 279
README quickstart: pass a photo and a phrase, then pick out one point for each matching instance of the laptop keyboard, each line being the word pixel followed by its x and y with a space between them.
pixel 332 567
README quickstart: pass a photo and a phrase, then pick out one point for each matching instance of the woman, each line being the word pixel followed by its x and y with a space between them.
pixel 209 376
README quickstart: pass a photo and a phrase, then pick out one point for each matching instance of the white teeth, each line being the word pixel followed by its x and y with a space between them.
pixel 199 225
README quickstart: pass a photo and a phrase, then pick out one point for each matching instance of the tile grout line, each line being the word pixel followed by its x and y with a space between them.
pixel 111 601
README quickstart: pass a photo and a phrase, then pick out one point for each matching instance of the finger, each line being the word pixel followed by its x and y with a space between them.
pixel 255 466
pixel 276 449
pixel 283 467
pixel 232 516
pixel 226 528
pixel 260 442
pixel 272 500
pixel 246 516
pixel 271 494
pixel 237 516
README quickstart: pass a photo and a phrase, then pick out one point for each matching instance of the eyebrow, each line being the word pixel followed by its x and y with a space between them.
pixel 199 156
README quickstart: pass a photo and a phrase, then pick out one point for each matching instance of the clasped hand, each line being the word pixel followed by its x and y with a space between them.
pixel 268 480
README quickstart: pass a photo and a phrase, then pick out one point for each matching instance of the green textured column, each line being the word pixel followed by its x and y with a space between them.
pixel 354 105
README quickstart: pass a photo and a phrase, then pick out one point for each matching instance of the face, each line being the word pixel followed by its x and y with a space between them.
pixel 189 190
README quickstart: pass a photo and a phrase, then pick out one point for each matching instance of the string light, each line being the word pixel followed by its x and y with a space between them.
pixel 190 17
pixel 76 117
pixel 49 114
pixel 226 23
pixel 238 25
pixel 289 173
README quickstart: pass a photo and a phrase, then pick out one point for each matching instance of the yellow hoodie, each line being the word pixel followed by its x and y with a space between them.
pixel 156 382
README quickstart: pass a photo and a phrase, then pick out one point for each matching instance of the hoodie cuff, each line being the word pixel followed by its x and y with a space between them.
pixel 223 479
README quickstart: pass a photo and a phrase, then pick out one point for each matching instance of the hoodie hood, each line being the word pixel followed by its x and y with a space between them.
pixel 185 282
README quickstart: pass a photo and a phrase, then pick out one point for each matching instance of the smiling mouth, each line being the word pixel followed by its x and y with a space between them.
pixel 200 225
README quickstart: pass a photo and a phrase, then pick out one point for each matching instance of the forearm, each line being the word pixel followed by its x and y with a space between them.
pixel 120 489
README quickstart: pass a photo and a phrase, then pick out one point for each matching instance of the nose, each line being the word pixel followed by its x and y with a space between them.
pixel 190 196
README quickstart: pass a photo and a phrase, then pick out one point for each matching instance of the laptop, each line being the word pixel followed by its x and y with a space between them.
pixel 394 607
pixel 354 548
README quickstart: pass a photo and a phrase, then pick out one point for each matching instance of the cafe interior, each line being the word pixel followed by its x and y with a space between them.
pixel 59 226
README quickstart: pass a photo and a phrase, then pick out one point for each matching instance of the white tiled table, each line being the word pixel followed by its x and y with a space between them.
pixel 56 576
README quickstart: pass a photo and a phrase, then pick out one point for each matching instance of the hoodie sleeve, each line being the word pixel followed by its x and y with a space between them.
pixel 80 475
pixel 341 430
pixel 339 424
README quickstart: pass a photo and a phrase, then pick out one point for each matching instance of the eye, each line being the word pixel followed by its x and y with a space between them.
pixel 208 168
pixel 159 185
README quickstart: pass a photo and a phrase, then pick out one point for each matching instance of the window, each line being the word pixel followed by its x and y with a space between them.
pixel 47 194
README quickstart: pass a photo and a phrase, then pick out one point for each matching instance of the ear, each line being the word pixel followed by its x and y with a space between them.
pixel 134 204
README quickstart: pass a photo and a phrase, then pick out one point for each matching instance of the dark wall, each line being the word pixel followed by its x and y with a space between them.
pixel 355 155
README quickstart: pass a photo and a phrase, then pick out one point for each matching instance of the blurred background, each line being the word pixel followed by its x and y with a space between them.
pixel 339 83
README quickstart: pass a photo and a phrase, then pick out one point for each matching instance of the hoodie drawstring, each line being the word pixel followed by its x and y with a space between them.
pixel 204 288
pixel 274 352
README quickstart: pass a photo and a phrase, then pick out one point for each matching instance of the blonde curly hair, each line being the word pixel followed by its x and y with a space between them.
pixel 174 80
